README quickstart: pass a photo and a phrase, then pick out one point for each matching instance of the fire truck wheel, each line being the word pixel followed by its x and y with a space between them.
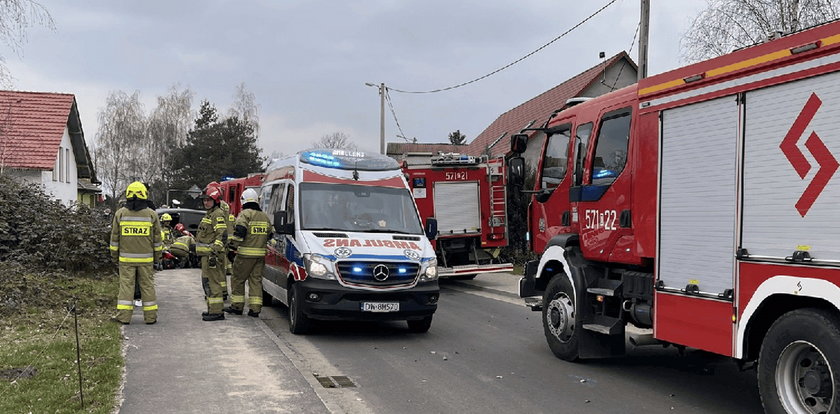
pixel 299 323
pixel 799 364
pixel 420 325
pixel 559 321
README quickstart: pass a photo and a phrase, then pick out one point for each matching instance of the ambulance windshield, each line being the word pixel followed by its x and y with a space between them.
pixel 357 208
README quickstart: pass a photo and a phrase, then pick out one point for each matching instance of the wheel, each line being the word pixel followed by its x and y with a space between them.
pixel 799 364
pixel 420 325
pixel 299 323
pixel 559 322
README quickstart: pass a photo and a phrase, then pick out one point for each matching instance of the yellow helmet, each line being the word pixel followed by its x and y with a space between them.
pixel 136 189
pixel 165 217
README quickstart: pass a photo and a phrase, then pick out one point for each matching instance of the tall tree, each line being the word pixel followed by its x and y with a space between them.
pixel 457 138
pixel 216 148
pixel 121 153
pixel 726 25
pixel 16 16
pixel 337 140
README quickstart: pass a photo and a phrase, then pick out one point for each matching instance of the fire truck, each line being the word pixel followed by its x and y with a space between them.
pixel 700 208
pixel 232 190
pixel 467 196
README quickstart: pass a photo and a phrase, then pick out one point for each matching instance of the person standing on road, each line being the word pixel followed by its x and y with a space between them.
pixel 227 263
pixel 250 235
pixel 210 246
pixel 136 243
pixel 166 233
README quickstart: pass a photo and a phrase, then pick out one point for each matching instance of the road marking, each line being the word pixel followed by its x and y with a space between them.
pixel 485 294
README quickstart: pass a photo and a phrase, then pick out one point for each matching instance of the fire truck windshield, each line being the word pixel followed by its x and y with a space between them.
pixel 356 208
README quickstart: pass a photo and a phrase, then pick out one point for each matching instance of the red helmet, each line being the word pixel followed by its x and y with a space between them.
pixel 213 190
pixel 180 227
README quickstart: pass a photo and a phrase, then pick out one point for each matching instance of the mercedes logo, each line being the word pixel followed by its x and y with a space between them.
pixel 381 272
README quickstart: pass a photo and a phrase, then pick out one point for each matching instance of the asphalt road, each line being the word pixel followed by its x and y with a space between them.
pixel 486 353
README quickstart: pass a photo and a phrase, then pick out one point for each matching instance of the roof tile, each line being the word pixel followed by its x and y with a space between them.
pixel 31 127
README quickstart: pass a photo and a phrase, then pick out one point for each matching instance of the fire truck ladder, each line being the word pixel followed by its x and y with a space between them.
pixel 498 194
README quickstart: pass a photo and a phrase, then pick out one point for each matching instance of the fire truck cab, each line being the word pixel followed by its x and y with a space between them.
pixel 348 241
pixel 232 190
pixel 466 195
pixel 701 204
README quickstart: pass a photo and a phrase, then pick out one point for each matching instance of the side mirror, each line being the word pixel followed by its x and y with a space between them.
pixel 518 143
pixel 516 171
pixel 543 196
pixel 431 228
pixel 281 223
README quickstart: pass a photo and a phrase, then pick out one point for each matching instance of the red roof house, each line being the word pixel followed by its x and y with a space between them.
pixel 42 142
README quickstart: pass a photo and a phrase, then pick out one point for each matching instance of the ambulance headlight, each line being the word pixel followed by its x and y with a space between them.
pixel 430 272
pixel 318 266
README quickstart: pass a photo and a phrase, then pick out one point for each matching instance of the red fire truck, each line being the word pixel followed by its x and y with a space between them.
pixel 467 197
pixel 701 204
pixel 232 190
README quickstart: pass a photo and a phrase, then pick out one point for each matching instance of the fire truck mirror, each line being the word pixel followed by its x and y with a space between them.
pixel 518 143
pixel 516 171
pixel 431 228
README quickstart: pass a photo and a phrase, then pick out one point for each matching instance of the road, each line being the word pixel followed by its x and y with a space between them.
pixel 486 352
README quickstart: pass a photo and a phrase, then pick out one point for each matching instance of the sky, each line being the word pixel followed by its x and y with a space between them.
pixel 307 61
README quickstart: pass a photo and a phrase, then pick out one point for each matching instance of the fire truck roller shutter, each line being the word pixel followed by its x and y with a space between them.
pixel 457 207
pixel 698 196
pixel 791 129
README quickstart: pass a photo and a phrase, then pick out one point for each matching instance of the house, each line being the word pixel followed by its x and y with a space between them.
pixel 614 73
pixel 42 142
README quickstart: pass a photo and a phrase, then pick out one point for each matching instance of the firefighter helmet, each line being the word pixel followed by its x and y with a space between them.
pixel 181 229
pixel 165 217
pixel 213 190
pixel 138 190
pixel 249 196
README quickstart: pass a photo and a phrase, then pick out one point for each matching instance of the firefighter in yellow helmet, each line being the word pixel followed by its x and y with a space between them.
pixel 166 230
pixel 136 243
pixel 210 246
pixel 250 236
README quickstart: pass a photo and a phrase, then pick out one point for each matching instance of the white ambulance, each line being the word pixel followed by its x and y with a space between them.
pixel 348 241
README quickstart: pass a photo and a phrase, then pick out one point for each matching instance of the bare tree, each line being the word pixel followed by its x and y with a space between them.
pixel 16 16
pixel 337 140
pixel 122 152
pixel 726 25
pixel 245 107
pixel 168 128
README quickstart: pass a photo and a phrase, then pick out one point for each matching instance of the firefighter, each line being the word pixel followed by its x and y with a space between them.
pixel 228 266
pixel 136 243
pixel 166 232
pixel 250 236
pixel 210 246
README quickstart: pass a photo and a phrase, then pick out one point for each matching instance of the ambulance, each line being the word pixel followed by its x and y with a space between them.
pixel 348 242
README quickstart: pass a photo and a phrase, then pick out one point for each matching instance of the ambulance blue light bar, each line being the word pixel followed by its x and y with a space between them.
pixel 348 160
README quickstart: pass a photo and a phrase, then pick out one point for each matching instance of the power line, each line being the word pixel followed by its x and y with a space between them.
pixel 517 60
pixel 624 63
pixel 394 114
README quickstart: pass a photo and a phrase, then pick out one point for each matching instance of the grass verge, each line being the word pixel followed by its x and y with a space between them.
pixel 43 336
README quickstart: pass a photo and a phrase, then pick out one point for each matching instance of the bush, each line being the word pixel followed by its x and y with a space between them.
pixel 41 233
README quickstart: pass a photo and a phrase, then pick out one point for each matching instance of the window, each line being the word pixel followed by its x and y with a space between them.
pixel 581 142
pixel 275 203
pixel 611 147
pixel 67 163
pixel 556 156
pixel 55 170
pixel 265 199
pixel 290 204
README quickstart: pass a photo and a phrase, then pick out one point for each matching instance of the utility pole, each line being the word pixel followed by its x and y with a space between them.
pixel 644 28
pixel 381 88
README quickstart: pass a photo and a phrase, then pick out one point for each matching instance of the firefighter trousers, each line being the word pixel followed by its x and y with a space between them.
pixel 145 277
pixel 247 270
pixel 212 270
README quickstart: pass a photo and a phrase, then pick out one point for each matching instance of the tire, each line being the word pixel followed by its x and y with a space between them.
pixel 420 325
pixel 559 323
pixel 299 323
pixel 799 364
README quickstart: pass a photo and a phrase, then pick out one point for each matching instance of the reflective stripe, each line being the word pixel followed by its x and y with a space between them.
pixel 157 244
pixel 206 221
pixel 132 218
pixel 255 300
pixel 202 250
pixel 159 248
pixel 179 244
pixel 136 255
pixel 251 251
pixel 151 303
pixel 237 298
pixel 223 284
pixel 114 248
pixel 115 244
pixel 125 307
pixel 150 308
pixel 133 260
pixel 220 226
pixel 219 243
pixel 135 223
pixel 215 300
pixel 125 302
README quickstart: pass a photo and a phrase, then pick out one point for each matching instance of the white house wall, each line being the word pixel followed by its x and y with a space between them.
pixel 65 191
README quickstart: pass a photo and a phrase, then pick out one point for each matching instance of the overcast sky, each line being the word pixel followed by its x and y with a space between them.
pixel 307 61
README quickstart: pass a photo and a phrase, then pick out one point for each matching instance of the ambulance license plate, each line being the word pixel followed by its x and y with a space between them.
pixel 380 306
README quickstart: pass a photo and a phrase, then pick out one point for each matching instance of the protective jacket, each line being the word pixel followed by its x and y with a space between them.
pixel 212 233
pixel 251 233
pixel 136 237
pixel 181 246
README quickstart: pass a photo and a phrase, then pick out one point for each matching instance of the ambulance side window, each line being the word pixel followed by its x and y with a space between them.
pixel 611 147
pixel 290 204
pixel 275 204
pixel 265 198
pixel 556 156
pixel 581 141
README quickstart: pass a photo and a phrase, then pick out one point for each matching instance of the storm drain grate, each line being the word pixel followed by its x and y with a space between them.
pixel 337 381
